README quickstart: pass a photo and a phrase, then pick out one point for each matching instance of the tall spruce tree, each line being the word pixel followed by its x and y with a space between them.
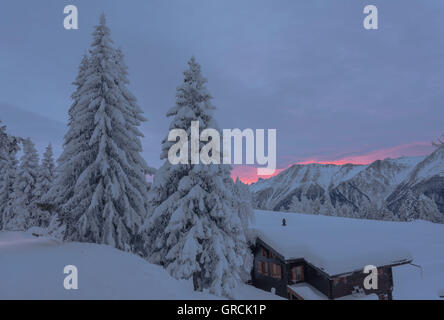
pixel 101 188
pixel 76 147
pixel 195 230
pixel 20 214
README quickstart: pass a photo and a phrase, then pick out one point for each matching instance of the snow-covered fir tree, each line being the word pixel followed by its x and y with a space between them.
pixel 45 180
pixel 46 173
pixel 316 206
pixel 419 206
pixel 244 200
pixel 195 231
pixel 4 161
pixel 77 106
pixel 428 210
pixel 369 211
pixel 345 210
pixel 243 203
pixel 327 207
pixel 8 167
pixel 136 113
pixel 76 145
pixel 5 141
pixel 7 195
pixel 385 213
pixel 303 205
pixel 101 188
pixel 8 174
pixel 20 214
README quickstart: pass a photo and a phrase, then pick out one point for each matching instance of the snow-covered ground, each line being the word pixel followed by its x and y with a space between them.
pixel 353 240
pixel 32 268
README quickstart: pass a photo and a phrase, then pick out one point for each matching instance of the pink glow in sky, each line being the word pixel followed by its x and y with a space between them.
pixel 248 174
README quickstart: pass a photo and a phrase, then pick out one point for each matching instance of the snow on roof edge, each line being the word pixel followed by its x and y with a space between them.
pixel 308 292
pixel 326 252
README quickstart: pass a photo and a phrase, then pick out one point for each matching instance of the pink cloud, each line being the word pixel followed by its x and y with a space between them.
pixel 248 174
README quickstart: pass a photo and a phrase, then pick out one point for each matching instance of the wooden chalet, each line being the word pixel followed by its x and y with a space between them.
pixel 298 272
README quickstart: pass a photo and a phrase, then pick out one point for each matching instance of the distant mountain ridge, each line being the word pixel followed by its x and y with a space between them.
pixel 391 189
pixel 42 130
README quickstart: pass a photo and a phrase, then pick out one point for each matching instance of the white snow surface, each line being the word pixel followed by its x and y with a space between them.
pixel 32 268
pixel 308 292
pixel 334 245
pixel 339 244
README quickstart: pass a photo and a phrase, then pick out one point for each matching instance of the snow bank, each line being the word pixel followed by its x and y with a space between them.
pixel 32 268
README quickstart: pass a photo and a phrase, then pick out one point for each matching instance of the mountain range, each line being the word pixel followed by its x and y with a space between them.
pixel 402 189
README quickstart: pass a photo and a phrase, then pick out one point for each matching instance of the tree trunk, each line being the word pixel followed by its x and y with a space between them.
pixel 196 281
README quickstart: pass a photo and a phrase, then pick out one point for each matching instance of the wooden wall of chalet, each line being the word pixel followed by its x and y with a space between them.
pixel 266 282
pixel 343 286
pixel 331 287
pixel 311 275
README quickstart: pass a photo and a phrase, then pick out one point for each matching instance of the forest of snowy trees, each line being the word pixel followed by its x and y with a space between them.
pixel 24 183
pixel 193 220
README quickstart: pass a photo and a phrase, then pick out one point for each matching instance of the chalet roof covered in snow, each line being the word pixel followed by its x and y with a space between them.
pixel 334 245
pixel 308 292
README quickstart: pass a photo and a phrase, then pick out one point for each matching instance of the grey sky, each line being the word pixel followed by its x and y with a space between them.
pixel 307 68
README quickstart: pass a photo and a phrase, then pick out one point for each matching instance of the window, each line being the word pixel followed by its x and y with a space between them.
pixel 297 273
pixel 272 255
pixel 264 253
pixel 338 280
pixel 262 267
pixel 276 271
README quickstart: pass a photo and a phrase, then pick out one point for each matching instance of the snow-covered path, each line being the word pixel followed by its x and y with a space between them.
pixel 32 268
